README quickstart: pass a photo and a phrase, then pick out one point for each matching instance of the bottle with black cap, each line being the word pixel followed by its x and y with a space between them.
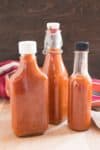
pixel 80 90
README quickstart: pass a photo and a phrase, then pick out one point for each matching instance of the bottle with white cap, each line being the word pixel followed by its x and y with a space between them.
pixel 27 47
pixel 28 92
pixel 53 38
pixel 57 74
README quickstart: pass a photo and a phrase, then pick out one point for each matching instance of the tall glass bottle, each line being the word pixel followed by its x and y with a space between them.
pixel 57 75
pixel 80 90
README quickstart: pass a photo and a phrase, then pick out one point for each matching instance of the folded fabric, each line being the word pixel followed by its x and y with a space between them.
pixel 5 68
pixel 96 85
pixel 96 93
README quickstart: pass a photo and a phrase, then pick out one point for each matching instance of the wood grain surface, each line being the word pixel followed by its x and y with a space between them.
pixel 26 20
pixel 55 138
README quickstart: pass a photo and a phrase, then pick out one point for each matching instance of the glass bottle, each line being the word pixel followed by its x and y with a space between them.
pixel 80 90
pixel 57 74
pixel 29 94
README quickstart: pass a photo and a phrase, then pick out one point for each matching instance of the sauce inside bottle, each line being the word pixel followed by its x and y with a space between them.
pixel 29 94
pixel 57 74
pixel 80 90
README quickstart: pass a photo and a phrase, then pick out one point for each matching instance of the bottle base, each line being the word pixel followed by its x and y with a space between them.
pixel 56 122
pixel 28 134
pixel 79 129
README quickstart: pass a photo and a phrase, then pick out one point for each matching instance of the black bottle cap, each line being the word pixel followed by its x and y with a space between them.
pixel 82 46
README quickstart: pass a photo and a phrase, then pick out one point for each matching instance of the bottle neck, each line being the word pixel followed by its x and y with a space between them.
pixel 81 62
pixel 53 41
pixel 28 58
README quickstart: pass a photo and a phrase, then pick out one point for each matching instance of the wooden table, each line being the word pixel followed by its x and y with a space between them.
pixel 55 138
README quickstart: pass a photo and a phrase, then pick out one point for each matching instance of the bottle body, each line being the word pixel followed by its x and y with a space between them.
pixel 57 86
pixel 80 93
pixel 79 105
pixel 29 98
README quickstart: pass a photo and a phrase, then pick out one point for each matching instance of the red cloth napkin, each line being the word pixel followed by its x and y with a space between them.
pixel 96 93
pixel 5 68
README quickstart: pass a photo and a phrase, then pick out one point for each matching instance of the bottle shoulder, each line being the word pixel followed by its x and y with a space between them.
pixel 18 74
pixel 78 76
pixel 42 75
pixel 23 73
pixel 54 66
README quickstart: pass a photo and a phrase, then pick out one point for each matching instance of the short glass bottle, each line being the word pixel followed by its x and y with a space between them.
pixel 80 90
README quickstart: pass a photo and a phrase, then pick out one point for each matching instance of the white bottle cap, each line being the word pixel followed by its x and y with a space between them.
pixel 53 25
pixel 27 47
